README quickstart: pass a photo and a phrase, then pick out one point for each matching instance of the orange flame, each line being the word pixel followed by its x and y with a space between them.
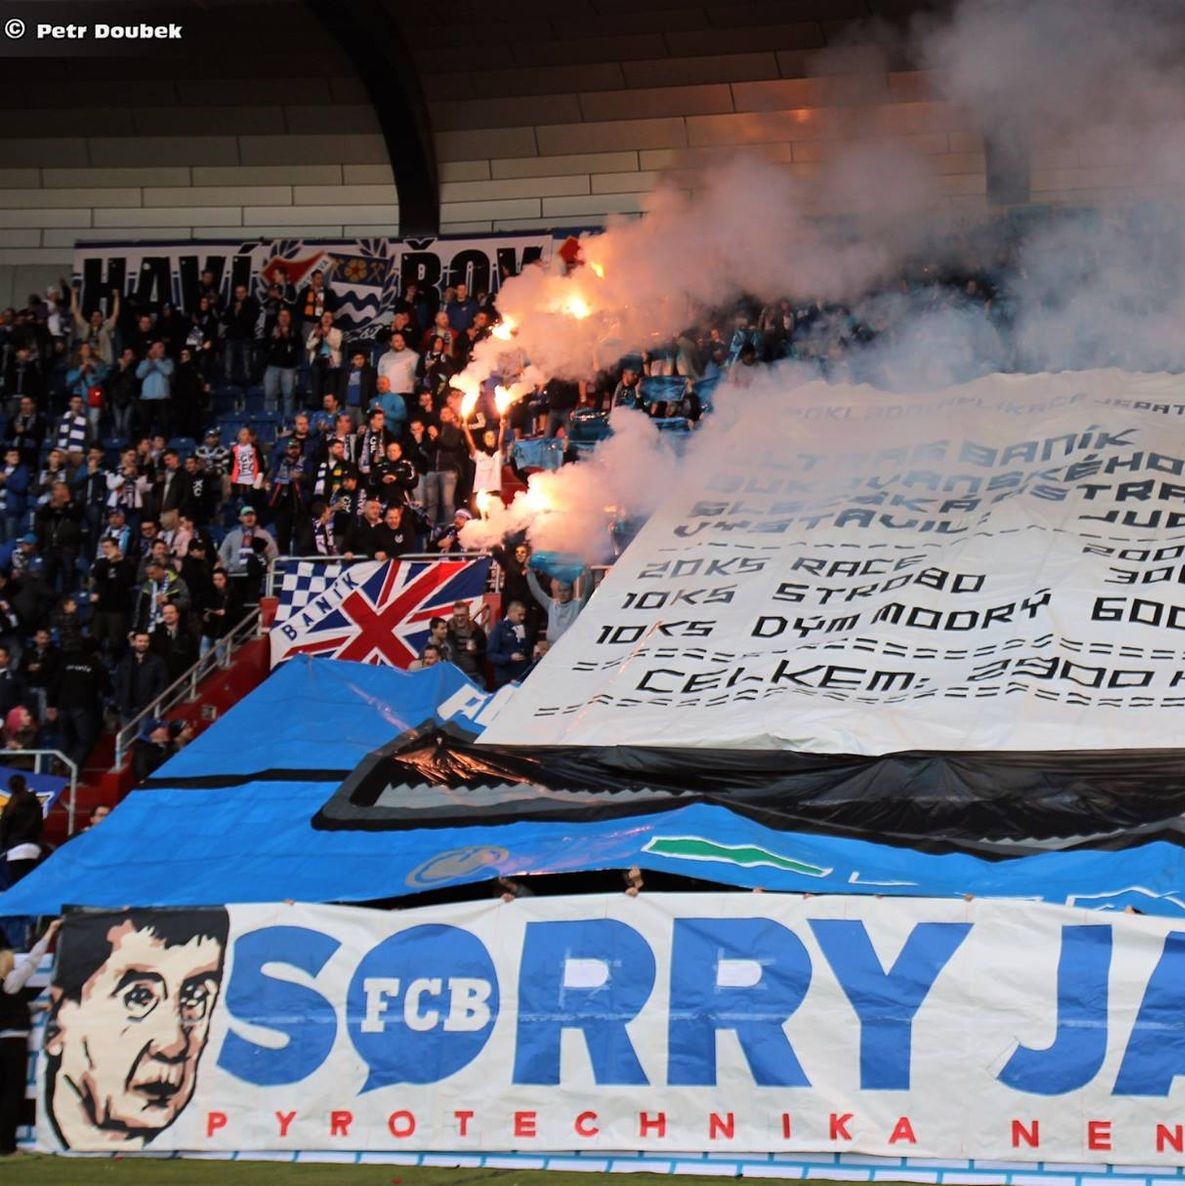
pixel 484 500
pixel 504 330
pixel 535 500
pixel 576 306
pixel 599 269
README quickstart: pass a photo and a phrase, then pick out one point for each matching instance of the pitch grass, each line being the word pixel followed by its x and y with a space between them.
pixel 62 1171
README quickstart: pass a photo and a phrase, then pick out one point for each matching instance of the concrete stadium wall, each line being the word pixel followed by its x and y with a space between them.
pixel 541 117
pixel 286 168
pixel 559 122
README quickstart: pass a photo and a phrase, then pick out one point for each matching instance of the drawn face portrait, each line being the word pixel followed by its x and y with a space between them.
pixel 130 1016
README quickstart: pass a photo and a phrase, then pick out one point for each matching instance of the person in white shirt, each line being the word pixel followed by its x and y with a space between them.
pixel 15 1024
pixel 324 346
pixel 398 366
pixel 487 462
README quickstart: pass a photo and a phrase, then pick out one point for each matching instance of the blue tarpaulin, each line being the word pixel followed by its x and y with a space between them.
pixel 539 453
pixel 254 842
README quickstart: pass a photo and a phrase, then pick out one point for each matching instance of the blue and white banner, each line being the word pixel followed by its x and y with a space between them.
pixel 47 787
pixel 724 1023
pixel 377 611
pixel 366 276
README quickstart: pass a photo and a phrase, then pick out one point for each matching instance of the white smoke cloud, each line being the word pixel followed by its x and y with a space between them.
pixel 1084 84
pixel 1060 67
pixel 570 510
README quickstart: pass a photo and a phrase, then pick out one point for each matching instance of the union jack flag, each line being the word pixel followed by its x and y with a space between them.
pixel 380 613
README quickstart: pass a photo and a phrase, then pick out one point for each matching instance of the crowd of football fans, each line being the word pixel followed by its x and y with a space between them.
pixel 157 458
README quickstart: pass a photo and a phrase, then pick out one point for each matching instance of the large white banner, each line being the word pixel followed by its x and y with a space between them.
pixel 997 566
pixel 365 275
pixel 718 1023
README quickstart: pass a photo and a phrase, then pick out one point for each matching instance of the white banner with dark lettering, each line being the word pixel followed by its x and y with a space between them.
pixel 715 1023
pixel 998 566
pixel 366 276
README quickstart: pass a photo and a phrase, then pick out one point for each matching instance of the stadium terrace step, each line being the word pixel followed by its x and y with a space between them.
pixel 100 783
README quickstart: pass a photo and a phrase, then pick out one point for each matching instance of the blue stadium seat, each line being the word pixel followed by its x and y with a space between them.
pixel 183 445
pixel 266 426
pixel 225 398
pixel 229 427
pixel 254 402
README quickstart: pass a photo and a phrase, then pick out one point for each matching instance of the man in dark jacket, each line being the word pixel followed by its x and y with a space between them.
pixel 284 349
pixel 469 642
pixel 154 747
pixel 24 377
pixel 12 687
pixel 368 537
pixel 510 648
pixel 27 431
pixel 315 298
pixel 58 525
pixel 112 579
pixel 39 666
pixel 238 327
pixel 394 479
pixel 398 536
pixel 121 390
pixel 356 386
pixel 76 698
pixel 373 442
pixel 173 490
pixel 161 587
pixel 174 643
pixel 447 451
pixel 140 678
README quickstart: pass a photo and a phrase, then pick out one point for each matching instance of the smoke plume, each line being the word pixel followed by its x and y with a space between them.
pixel 1088 92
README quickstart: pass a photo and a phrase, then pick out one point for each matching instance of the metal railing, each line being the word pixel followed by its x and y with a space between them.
pixel 37 755
pixel 184 689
